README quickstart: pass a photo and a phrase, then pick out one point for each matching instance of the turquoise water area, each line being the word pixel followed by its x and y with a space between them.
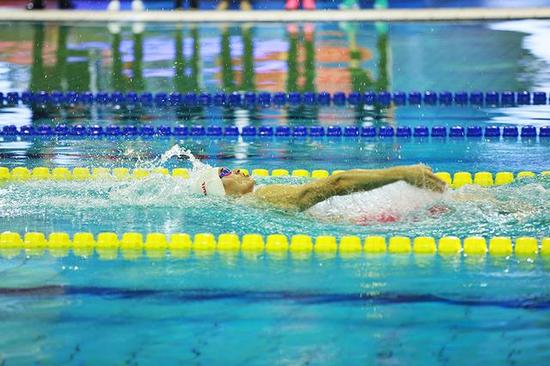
pixel 225 310
pixel 255 308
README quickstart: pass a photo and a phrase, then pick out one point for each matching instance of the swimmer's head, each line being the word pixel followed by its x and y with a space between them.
pixel 235 182
pixel 221 182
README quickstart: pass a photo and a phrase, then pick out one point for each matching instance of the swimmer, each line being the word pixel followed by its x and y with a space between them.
pixel 234 183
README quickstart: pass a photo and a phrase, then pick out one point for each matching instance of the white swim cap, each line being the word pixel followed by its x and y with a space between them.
pixel 208 182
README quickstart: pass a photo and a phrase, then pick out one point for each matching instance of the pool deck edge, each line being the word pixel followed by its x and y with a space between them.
pixel 454 14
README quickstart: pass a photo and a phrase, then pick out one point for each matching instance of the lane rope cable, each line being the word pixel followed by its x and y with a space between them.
pixel 278 99
pixel 508 132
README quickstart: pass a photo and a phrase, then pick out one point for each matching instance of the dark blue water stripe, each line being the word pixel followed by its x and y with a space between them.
pixel 278 99
pixel 114 131
pixel 309 298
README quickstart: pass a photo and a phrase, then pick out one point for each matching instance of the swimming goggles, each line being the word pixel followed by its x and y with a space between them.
pixel 224 172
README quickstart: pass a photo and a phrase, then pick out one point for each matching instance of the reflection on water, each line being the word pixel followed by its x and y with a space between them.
pixel 66 70
pixel 187 69
pixel 302 58
pixel 233 56
pixel 347 56
pixel 342 56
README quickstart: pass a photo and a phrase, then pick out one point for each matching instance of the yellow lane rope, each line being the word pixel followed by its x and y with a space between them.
pixel 19 174
pixel 180 244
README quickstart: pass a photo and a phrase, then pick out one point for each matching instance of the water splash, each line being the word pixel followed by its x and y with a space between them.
pixel 59 197
pixel 157 189
pixel 176 151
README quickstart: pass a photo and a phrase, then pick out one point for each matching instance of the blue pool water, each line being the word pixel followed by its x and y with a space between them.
pixel 60 308
pixel 377 310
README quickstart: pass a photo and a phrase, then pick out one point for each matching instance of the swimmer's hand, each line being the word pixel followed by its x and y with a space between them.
pixel 421 176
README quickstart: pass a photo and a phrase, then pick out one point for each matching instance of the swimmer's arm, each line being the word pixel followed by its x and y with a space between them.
pixel 419 176
pixel 304 196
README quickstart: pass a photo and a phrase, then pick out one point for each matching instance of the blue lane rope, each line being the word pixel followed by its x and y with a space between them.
pixel 114 131
pixel 251 99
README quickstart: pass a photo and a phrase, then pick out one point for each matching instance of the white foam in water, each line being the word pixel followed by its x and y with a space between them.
pixel 176 151
pixel 161 191
pixel 154 191
pixel 388 203
pixel 197 166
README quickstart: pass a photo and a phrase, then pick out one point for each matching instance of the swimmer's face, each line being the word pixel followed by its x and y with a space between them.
pixel 236 183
